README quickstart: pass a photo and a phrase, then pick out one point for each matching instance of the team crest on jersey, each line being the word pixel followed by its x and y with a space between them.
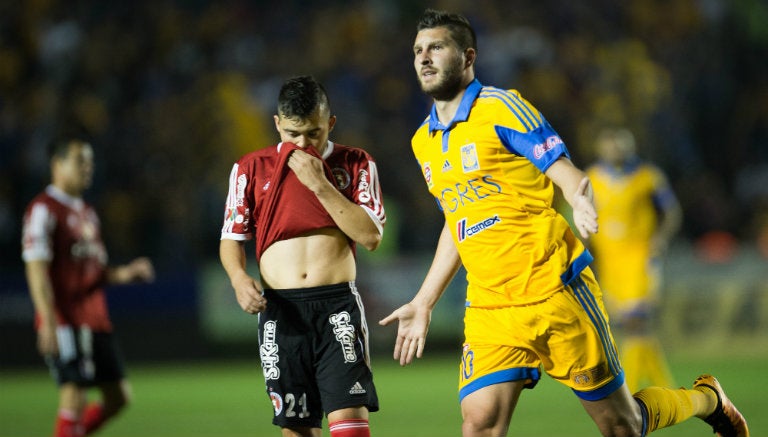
pixel 469 160
pixel 427 169
pixel 342 178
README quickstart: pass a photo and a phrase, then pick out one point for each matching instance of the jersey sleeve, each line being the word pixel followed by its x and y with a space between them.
pixel 541 145
pixel 238 223
pixel 37 231
pixel 663 195
pixel 367 190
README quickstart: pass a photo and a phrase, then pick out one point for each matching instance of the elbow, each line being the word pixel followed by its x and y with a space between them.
pixel 372 241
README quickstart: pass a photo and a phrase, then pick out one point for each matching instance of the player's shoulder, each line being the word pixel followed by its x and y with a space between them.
pixel 43 198
pixel 491 95
pixel 258 154
pixel 350 151
pixel 649 168
pixel 507 105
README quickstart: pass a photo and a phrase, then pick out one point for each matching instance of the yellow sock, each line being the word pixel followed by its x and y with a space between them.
pixel 666 406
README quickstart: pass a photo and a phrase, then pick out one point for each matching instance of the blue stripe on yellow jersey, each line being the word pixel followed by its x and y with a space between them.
pixel 486 169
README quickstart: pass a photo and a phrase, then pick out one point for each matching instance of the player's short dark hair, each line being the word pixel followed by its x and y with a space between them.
pixel 300 96
pixel 458 27
pixel 65 134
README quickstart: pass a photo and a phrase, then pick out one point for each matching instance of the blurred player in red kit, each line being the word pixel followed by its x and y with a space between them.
pixel 66 269
pixel 307 202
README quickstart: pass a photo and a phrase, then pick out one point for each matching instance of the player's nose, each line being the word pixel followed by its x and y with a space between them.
pixel 303 142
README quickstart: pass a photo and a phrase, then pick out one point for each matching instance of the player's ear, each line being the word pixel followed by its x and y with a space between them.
pixel 470 55
pixel 277 122
pixel 331 122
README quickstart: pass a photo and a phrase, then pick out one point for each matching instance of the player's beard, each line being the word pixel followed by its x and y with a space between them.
pixel 448 86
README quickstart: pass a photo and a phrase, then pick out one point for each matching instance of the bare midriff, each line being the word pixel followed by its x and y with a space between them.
pixel 320 257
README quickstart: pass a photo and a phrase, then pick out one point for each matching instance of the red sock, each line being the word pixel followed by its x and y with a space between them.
pixel 67 425
pixel 93 418
pixel 350 428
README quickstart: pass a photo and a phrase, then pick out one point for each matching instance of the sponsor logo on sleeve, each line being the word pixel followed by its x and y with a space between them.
pixel 550 143
pixel 363 192
pixel 426 168
pixel 242 181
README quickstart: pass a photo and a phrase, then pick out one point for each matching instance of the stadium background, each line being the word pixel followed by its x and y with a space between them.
pixel 174 91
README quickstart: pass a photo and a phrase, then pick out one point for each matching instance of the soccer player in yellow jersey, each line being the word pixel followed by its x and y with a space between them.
pixel 492 160
pixel 639 214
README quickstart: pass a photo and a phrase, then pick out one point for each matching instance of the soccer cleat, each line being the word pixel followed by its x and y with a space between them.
pixel 726 421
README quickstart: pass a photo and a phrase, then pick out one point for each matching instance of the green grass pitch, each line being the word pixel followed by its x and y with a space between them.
pixel 226 399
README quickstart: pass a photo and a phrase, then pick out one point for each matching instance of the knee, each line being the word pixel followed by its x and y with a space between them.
pixel 625 425
pixel 483 423
pixel 116 401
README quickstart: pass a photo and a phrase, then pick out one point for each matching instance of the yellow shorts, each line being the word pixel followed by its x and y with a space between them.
pixel 567 334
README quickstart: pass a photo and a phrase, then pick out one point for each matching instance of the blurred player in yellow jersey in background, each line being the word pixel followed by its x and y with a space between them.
pixel 639 214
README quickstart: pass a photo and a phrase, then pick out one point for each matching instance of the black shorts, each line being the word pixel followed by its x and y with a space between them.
pixel 86 358
pixel 313 344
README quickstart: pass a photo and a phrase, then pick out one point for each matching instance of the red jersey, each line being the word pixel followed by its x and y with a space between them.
pixel 267 200
pixel 65 231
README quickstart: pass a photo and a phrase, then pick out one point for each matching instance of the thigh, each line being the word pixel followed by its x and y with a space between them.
pixel 286 360
pixel 489 409
pixel 580 351
pixel 497 349
pixel 109 367
pixel 74 363
pixel 342 360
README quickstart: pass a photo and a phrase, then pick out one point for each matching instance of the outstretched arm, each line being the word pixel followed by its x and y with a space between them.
pixel 138 270
pixel 577 190
pixel 415 316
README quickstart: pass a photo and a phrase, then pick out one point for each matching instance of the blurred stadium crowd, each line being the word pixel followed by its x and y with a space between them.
pixel 173 92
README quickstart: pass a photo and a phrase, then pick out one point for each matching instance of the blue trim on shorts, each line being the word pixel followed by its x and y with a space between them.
pixel 507 375
pixel 590 306
pixel 604 391
pixel 574 270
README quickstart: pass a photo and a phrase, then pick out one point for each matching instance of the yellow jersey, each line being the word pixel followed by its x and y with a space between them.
pixel 486 170
pixel 628 201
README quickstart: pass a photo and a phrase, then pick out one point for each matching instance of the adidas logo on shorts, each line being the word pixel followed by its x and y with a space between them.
pixel 357 389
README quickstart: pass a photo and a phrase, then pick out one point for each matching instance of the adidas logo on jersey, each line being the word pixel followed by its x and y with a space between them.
pixel 357 389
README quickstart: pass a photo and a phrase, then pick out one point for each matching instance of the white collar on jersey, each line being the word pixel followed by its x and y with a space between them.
pixel 57 193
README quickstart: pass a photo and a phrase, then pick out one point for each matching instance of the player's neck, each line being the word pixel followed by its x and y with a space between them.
pixel 447 108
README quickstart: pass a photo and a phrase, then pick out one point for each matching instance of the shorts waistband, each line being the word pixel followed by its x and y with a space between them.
pixel 311 293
